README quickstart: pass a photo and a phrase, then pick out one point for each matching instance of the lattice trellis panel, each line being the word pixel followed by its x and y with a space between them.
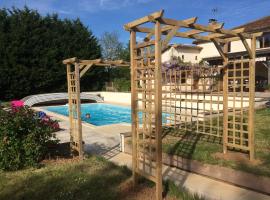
pixel 192 97
pixel 73 80
pixel 239 81
pixel 145 87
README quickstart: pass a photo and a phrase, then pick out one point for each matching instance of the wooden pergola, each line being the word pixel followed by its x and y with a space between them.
pixel 76 68
pixel 151 99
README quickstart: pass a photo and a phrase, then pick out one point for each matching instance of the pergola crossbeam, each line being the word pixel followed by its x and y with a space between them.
pixel 216 30
pixel 170 35
pixel 144 20
pixel 177 34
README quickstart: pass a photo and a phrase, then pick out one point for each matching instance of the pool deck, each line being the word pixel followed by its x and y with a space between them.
pixel 105 140
pixel 98 139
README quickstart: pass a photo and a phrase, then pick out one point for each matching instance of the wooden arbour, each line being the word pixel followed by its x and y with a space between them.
pixel 76 68
pixel 147 91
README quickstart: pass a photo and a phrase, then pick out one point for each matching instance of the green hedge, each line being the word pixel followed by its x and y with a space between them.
pixel 24 139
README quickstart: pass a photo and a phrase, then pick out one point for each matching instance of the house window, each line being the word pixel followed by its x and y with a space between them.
pixel 196 57
pixel 263 41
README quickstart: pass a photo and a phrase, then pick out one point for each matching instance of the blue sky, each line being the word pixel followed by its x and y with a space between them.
pixel 110 15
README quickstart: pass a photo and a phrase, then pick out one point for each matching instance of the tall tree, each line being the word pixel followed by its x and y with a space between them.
pixel 32 48
pixel 111 47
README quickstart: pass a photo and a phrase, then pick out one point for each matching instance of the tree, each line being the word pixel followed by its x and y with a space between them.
pixel 32 48
pixel 111 47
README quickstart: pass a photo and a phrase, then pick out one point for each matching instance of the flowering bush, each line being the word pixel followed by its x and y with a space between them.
pixel 16 104
pixel 24 138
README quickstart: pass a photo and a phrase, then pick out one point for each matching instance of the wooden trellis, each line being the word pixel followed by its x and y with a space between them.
pixel 76 68
pixel 192 107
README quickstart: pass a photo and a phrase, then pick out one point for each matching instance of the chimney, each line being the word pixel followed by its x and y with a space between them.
pixel 212 21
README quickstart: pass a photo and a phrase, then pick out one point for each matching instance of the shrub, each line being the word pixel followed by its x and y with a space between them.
pixel 122 85
pixel 24 138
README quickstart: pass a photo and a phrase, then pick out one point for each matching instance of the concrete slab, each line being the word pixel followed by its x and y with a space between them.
pixel 203 186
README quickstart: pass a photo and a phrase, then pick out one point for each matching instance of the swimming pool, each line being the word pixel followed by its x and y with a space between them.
pixel 101 113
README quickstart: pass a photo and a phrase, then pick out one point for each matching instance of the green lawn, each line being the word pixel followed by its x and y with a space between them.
pixel 94 178
pixel 203 149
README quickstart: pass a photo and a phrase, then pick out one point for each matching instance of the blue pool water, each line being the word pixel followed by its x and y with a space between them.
pixel 101 113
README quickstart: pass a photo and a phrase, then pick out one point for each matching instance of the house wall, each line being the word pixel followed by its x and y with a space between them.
pixel 209 49
pixel 189 54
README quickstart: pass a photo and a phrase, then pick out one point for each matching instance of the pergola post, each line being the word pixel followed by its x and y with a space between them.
pixel 252 66
pixel 69 103
pixel 225 98
pixel 78 110
pixel 158 110
pixel 134 105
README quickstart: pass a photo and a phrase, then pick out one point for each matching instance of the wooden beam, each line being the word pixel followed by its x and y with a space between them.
pixel 231 39
pixel 100 62
pixel 178 34
pixel 218 35
pixel 85 69
pixel 193 32
pixel 210 28
pixel 87 62
pixel 143 20
pixel 197 37
pixel 148 37
pixel 246 45
pixel 225 100
pixel 134 105
pixel 78 109
pixel 145 44
pixel 251 111
pixel 173 22
pixel 168 38
pixel 70 60
pixel 158 110
pixel 217 45
pixel 69 103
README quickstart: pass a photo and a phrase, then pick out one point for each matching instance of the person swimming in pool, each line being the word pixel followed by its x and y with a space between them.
pixel 87 115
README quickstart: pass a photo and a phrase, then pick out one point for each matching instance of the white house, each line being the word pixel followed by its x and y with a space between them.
pixel 208 52
pixel 187 53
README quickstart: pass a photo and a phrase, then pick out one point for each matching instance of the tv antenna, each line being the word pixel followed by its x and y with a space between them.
pixel 215 11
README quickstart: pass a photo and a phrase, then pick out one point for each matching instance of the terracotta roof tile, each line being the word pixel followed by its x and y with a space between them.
pixel 261 24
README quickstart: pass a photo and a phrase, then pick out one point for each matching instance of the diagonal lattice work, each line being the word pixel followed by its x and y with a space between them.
pixel 213 101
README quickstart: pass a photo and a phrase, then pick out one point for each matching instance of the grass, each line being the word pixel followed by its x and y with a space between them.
pixel 200 148
pixel 93 178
